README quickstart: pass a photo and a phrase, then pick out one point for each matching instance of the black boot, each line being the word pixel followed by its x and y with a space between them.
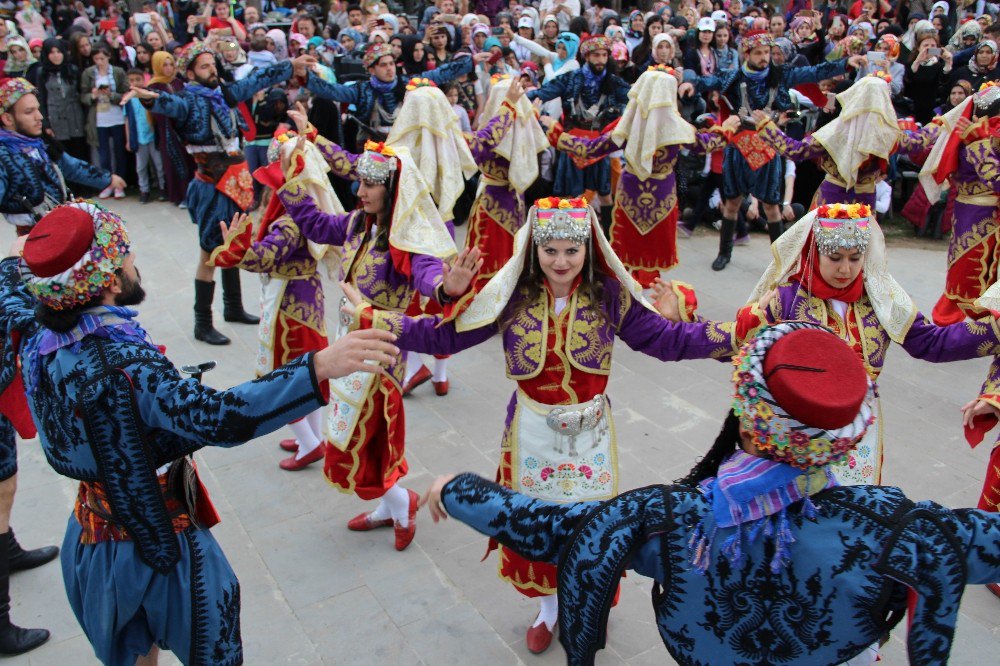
pixel 13 639
pixel 775 229
pixel 20 559
pixel 204 292
pixel 606 218
pixel 232 299
pixel 725 244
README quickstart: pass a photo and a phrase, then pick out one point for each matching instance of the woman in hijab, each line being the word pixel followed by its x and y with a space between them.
pixel 555 63
pixel 982 66
pixel 178 165
pixel 414 56
pixel 58 83
pixel 641 53
pixel 19 57
pixel 277 38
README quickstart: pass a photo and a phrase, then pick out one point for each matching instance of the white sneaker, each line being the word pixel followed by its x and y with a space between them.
pixel 106 192
pixel 119 193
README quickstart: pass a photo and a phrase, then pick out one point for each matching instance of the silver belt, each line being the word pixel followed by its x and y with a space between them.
pixel 571 423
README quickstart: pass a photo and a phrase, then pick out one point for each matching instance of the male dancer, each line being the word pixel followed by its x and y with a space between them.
pixel 141 568
pixel 758 555
pixel 205 115
pixel 33 170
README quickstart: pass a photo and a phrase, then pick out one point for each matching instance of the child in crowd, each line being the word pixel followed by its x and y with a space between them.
pixel 450 91
pixel 140 138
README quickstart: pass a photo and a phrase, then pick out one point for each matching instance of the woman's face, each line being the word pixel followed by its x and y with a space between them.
pixel 550 30
pixel 372 197
pixel 100 59
pixel 347 43
pixel 969 40
pixel 777 25
pixel 705 37
pixel 842 267
pixel 271 46
pixel 142 55
pixel 984 56
pixel 154 40
pixel 479 39
pixel 561 262
pixel 18 53
pixel 927 43
pixel 230 55
pixel 440 40
pixel 397 47
pixel 453 96
pixel 418 51
pixel 804 30
pixel 638 24
pixel 721 37
pixel 55 56
pixel 169 67
pixel 957 95
pixel 655 28
pixel 561 50
pixel 938 23
pixel 664 53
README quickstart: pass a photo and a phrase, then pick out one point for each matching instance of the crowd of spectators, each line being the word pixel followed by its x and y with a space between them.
pixel 83 57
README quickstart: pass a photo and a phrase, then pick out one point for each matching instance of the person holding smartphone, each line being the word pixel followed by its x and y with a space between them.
pixel 926 76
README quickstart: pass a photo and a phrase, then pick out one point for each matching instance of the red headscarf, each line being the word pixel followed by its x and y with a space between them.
pixel 815 284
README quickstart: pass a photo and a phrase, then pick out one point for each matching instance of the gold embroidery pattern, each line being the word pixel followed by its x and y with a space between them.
pixel 293 192
pixel 388 321
pixel 584 344
pixel 369 277
pixel 524 357
pixel 339 159
pixel 648 207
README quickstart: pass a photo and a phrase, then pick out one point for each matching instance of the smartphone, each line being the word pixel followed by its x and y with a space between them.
pixel 876 58
pixel 143 17
pixel 497 32
pixel 934 52
pixel 448 18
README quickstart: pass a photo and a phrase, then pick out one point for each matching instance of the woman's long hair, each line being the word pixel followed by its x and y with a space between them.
pixel 725 444
pixel 381 240
pixel 530 286
pixel 643 51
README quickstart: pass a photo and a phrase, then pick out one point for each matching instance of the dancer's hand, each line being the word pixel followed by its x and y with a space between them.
pixel 857 61
pixel 731 124
pixel 787 213
pixel 459 274
pixel 753 210
pixel 299 117
pixel 233 226
pixel 760 117
pixel 141 93
pixel 665 300
pixel 963 124
pixel 432 498
pixel 766 299
pixel 117 182
pixel 515 91
pixel 352 353
pixel 977 407
pixel 685 90
pixel 353 297
pixel 548 122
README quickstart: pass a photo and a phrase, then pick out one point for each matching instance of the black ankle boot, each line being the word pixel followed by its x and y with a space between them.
pixel 20 559
pixel 725 244
pixel 204 292
pixel 232 299
pixel 13 639
pixel 775 229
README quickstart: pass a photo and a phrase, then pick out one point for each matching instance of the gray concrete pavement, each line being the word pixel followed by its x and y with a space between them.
pixel 315 593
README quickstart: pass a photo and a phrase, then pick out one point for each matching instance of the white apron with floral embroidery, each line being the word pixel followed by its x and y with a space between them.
pixel 271 292
pixel 347 397
pixel 549 465
pixel 863 466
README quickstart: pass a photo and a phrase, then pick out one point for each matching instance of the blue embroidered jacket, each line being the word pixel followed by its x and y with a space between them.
pixel 571 86
pixel 780 77
pixel 192 114
pixel 364 97
pixel 845 586
pixel 114 412
pixel 24 182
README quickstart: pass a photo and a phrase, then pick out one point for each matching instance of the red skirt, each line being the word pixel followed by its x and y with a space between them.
pixel 493 240
pixel 645 255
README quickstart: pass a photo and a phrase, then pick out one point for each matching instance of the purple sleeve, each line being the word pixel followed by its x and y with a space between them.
pixel 794 150
pixel 340 159
pixel 585 147
pixel 650 333
pixel 482 143
pixel 426 274
pixel 427 335
pixel 957 342
pixel 314 224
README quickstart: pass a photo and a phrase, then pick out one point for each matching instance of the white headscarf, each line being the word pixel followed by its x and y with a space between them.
pixel 866 127
pixel 651 121
pixel 416 225
pixel 663 37
pixel 893 306
pixel 428 126
pixel 522 142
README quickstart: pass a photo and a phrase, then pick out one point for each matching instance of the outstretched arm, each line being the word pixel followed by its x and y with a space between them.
pixel 259 79
pixel 83 173
pixel 316 225
pixel 337 92
pixel 450 71
pixel 957 342
pixel 795 150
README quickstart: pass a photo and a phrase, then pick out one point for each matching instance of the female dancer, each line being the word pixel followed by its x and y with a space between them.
pixel 558 304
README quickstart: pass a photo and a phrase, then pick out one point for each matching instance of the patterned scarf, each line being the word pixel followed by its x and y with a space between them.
pixel 33 147
pixel 111 322
pixel 753 494
pixel 753 74
pixel 217 101
pixel 592 81
pixel 382 87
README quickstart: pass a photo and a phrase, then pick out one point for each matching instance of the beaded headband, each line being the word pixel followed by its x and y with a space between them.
pixel 987 96
pixel 13 90
pixel 842 226
pixel 754 39
pixel 554 218
pixel 377 163
pixel 93 272
pixel 660 67
pixel 771 429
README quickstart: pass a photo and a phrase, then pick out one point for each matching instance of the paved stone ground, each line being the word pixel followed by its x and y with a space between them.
pixel 315 593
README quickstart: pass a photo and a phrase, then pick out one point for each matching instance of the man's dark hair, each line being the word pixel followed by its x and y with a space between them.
pixel 351 8
pixel 135 71
pixel 258 43
pixel 101 48
pixel 725 444
pixel 61 321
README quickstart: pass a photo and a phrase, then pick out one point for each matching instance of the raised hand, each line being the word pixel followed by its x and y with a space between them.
pixel 353 295
pixel 665 300
pixel 515 91
pixel 235 224
pixel 731 124
pixel 370 350
pixel 976 407
pixel 458 276
pixel 299 117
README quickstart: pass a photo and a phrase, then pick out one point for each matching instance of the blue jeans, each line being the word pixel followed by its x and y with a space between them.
pixel 106 136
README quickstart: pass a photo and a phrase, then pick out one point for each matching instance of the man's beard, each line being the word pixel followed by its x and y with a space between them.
pixel 597 69
pixel 21 129
pixel 132 291
pixel 210 82
pixel 757 68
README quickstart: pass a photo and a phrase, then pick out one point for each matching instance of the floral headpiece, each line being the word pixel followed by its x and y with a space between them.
pixel 72 254
pixel 13 90
pixel 881 74
pixel 191 53
pixel 597 43
pixel 752 40
pixel 274 148
pixel 554 218
pixel 497 78
pixel 375 52
pixel 660 67
pixel 893 42
pixel 377 163
pixel 772 430
pixel 842 226
pixel 417 82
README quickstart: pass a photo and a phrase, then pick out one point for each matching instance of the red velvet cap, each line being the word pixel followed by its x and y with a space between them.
pixel 816 378
pixel 58 241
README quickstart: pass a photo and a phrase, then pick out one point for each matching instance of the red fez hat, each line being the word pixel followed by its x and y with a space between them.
pixel 58 241
pixel 816 378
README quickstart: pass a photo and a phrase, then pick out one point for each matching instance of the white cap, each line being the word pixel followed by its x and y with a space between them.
pixel 720 16
pixel 525 22
pixel 706 24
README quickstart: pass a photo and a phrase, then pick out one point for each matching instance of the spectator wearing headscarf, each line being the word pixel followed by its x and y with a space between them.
pixel 178 166
pixel 278 39
pixel 19 57
pixel 981 67
pixel 58 84
pixel 413 56
pixel 890 46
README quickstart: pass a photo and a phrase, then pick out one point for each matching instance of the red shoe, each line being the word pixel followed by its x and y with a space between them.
pixel 290 464
pixel 441 388
pixel 363 522
pixel 994 588
pixel 289 445
pixel 404 535
pixel 539 638
pixel 423 374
